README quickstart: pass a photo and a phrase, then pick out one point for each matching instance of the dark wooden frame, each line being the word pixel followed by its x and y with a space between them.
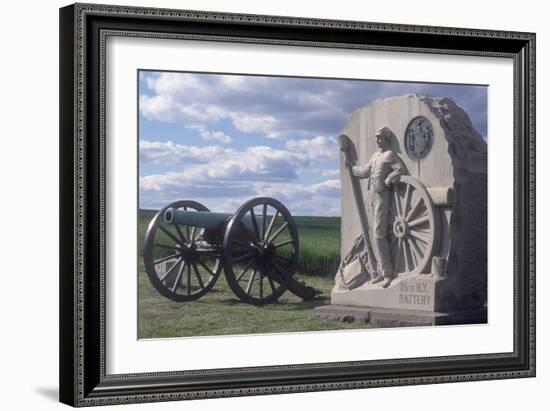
pixel 83 29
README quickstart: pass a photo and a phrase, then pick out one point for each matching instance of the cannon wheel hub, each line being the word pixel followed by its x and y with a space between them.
pixel 400 228
pixel 266 251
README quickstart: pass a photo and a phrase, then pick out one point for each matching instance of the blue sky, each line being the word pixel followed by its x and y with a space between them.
pixel 223 139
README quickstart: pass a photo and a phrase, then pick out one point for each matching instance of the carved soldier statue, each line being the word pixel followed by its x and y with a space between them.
pixel 382 170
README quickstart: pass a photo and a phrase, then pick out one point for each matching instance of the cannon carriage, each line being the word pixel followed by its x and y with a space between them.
pixel 186 247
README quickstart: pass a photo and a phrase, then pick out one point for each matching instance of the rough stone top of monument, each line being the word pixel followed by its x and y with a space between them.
pixel 457 145
pixel 467 147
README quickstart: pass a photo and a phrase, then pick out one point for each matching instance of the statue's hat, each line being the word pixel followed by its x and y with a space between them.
pixel 384 132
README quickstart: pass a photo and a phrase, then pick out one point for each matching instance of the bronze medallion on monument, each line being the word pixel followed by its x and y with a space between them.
pixel 419 138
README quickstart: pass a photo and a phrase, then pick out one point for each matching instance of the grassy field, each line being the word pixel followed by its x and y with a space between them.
pixel 220 312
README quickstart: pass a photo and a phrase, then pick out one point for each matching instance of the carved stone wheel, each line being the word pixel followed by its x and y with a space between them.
pixel 414 226
pixel 260 251
pixel 180 264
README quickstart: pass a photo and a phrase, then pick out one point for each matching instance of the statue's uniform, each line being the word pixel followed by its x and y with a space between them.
pixel 381 165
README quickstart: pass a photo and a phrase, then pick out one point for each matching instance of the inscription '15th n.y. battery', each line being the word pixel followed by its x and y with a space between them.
pixel 415 294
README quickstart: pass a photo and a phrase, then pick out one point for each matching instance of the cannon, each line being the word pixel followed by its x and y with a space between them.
pixel 186 247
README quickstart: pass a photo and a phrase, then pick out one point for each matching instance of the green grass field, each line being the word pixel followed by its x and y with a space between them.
pixel 220 312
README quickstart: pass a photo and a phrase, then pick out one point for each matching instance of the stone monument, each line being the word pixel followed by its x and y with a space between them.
pixel 414 215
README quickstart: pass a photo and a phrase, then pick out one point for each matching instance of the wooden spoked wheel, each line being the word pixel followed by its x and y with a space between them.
pixel 414 226
pixel 181 265
pixel 260 251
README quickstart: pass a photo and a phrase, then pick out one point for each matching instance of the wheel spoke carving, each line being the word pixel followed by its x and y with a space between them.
pixel 406 256
pixel 407 200
pixel 412 253
pixel 420 245
pixel 416 249
pixel 415 224
pixel 414 208
pixel 397 202
pixel 419 236
pixel 424 219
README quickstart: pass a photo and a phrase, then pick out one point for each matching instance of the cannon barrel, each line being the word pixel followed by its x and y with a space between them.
pixel 205 219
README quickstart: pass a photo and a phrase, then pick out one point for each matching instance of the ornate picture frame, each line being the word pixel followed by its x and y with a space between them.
pixel 84 378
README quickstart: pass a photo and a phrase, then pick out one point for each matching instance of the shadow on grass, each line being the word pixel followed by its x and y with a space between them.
pixel 307 305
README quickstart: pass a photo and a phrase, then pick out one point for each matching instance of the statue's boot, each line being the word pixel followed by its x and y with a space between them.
pixel 387 282
pixel 377 279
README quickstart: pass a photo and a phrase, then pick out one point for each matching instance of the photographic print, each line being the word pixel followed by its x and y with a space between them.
pixel 271 204
pixel 258 204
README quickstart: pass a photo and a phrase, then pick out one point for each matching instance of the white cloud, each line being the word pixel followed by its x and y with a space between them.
pixel 329 188
pixel 215 135
pixel 169 153
pixel 283 107
pixel 261 160
pixel 318 148
pixel 257 163
pixel 225 177
pixel 331 173
pixel 303 113
pixel 166 108
pixel 262 124
pixel 276 108
pixel 322 199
